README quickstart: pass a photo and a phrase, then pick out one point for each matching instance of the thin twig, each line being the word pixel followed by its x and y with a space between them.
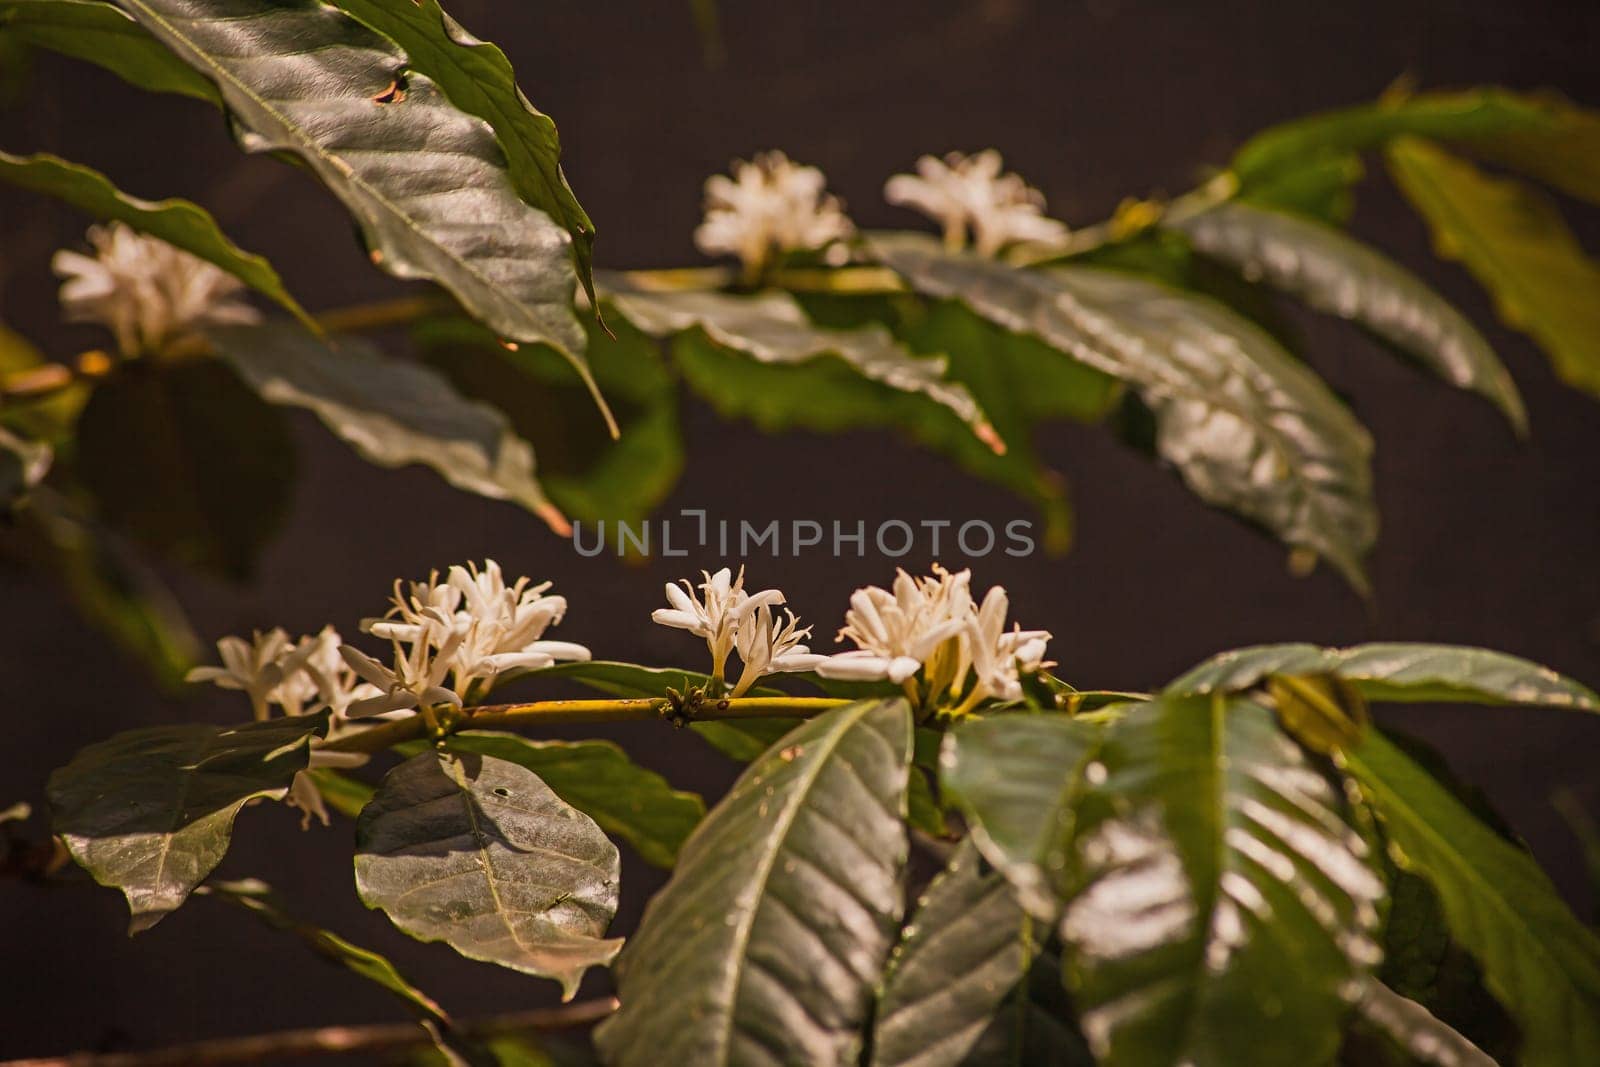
pixel 567 712
pixel 331 1040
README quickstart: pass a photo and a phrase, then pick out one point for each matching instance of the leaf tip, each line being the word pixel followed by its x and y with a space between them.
pixel 554 519
pixel 991 437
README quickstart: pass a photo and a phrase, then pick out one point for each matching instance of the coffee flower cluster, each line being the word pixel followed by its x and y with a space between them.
pixel 930 635
pixel 150 295
pixel 774 205
pixel 453 640
pixel 927 635
pixel 729 618
pixel 470 631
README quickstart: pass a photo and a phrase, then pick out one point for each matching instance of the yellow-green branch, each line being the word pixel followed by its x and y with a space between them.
pixel 569 712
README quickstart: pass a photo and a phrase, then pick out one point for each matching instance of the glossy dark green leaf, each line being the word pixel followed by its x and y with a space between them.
pixel 954 992
pixel 767 942
pixel 1417 1031
pixel 1537 958
pixel 1021 383
pixel 1223 912
pixel 188 460
pixel 1469 114
pixel 589 476
pixel 1342 276
pixel 1423 963
pixel 1248 427
pixel 826 396
pixel 1515 242
pixel 1397 672
pixel 426 182
pixel 477 77
pixel 1017 779
pixel 151 811
pixel 771 328
pixel 599 779
pixel 178 222
pixel 480 854
pixel 391 411
pixel 102 34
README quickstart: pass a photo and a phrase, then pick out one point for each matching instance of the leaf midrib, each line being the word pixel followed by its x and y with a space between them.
pixel 348 172
pixel 784 823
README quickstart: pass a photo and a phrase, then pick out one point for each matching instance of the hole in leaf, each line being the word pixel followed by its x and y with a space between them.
pixel 502 791
pixel 395 92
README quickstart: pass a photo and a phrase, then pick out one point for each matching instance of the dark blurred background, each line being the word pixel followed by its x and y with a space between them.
pixel 1485 540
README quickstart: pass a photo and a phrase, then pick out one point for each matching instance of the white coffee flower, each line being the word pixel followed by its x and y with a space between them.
pixel 931 625
pixel 999 658
pixel 716 617
pixel 770 204
pixel 417 677
pixel 497 628
pixel 256 667
pixel 899 632
pixel 769 646
pixel 505 626
pixel 325 680
pixel 148 293
pixel 961 192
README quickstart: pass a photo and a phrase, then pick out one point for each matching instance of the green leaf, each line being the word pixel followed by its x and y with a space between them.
pixel 1319 187
pixel 1342 276
pixel 767 942
pixel 114 589
pixel 1423 963
pixel 178 222
pixel 770 328
pixel 1470 114
pixel 588 475
pixel 599 779
pixel 826 396
pixel 1224 910
pixel 951 990
pixel 480 854
pixel 1514 241
pixel 477 77
pixel 1417 1031
pixel 1537 958
pixel 151 811
pixel 426 182
pixel 189 461
pixel 258 899
pixel 342 793
pixel 739 739
pixel 1021 382
pixel 390 411
pixel 1018 779
pixel 1248 427
pixel 1563 152
pixel 102 34
pixel 1396 672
